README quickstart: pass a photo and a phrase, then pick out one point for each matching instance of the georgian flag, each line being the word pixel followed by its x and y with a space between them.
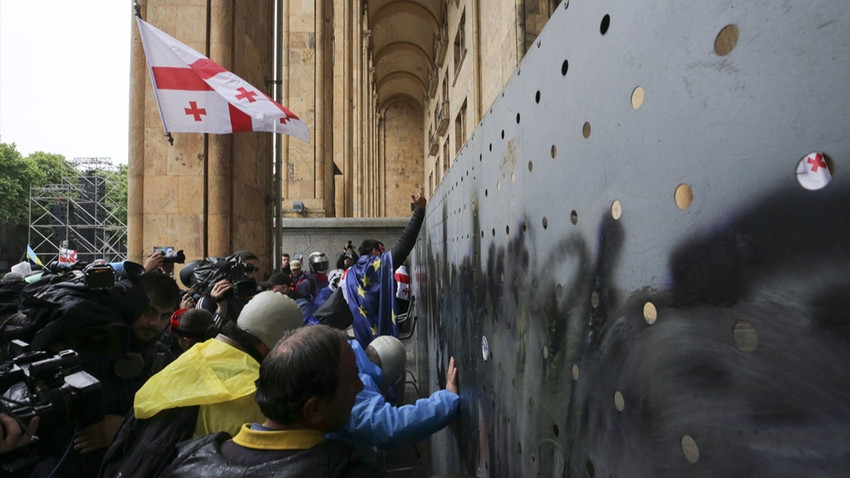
pixel 196 95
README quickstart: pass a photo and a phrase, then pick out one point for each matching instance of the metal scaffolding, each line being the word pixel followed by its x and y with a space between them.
pixel 84 213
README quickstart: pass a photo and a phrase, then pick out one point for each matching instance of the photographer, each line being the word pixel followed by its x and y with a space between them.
pixel 115 329
pixel 223 300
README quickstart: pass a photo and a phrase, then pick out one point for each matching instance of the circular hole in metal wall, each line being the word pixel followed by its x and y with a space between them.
pixel 637 97
pixel 537 97
pixel 745 335
pixel 690 449
pixel 619 401
pixel 503 134
pixel 591 472
pixel 494 232
pixel 491 146
pixel 545 222
pixel 726 40
pixel 524 226
pixel 594 299
pixel 517 118
pixel 507 230
pixel 605 24
pixel 650 313
pixel 555 430
pixel 616 209
pixel 585 129
pixel 482 234
pixel 530 166
pixel 684 196
pixel 814 171
pixel 485 193
pixel 480 157
pixel 575 371
pixel 574 217
pixel 565 66
pixel 554 151
pixel 519 447
pixel 538 43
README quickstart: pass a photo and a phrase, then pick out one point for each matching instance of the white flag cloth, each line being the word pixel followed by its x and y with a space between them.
pixel 813 171
pixel 196 95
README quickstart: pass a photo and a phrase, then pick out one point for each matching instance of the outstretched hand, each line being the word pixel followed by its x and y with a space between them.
pixel 451 373
pixel 419 199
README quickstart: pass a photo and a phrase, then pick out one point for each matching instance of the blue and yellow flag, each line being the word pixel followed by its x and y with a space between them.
pixel 369 285
pixel 32 256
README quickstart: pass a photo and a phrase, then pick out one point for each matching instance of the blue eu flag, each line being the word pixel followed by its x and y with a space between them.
pixel 369 285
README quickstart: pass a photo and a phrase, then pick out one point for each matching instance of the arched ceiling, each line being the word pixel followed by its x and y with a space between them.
pixel 403 46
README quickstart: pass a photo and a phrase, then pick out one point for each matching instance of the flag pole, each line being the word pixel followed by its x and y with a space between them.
pixel 150 73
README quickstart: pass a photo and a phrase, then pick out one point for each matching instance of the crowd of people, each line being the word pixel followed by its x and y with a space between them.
pixel 229 375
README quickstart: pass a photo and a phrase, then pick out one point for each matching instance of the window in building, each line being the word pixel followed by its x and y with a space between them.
pixel 460 43
pixel 460 127
pixel 446 158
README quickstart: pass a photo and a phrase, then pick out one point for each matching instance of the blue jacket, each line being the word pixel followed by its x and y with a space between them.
pixel 375 422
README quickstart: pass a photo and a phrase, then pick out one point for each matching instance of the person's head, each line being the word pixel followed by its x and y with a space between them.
pixel 309 379
pixel 318 263
pixel 284 261
pixel 193 326
pixel 295 268
pixel 163 299
pixel 371 247
pixel 387 352
pixel 279 282
pixel 252 263
pixel 267 317
pixel 349 259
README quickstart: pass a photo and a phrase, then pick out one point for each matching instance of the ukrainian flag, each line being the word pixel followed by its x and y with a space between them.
pixel 32 256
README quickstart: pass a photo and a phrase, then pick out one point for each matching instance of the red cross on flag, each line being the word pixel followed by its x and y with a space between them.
pixel 196 95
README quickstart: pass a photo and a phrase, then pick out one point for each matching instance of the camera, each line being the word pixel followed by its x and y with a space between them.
pixel 171 257
pixel 52 387
pixel 214 269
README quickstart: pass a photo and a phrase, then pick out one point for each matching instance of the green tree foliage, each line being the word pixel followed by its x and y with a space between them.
pixel 17 176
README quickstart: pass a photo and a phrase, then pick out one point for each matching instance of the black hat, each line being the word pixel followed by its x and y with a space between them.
pixel 278 278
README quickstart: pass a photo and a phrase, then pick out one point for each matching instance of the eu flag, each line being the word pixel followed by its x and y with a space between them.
pixel 369 285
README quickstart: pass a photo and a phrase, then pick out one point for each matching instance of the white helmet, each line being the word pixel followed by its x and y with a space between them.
pixel 318 263
pixel 393 358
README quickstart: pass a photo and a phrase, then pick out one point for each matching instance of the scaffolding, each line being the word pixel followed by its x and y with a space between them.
pixel 85 212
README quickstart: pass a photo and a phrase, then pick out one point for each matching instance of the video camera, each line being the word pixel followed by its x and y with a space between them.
pixel 214 269
pixel 52 387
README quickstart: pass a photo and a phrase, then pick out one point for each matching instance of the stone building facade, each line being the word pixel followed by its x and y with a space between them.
pixel 390 91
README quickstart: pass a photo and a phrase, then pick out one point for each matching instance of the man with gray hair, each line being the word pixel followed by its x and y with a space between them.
pixel 306 388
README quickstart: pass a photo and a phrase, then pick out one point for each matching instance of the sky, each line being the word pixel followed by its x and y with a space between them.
pixel 65 77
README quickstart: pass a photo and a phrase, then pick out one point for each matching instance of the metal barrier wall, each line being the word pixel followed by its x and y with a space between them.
pixel 637 262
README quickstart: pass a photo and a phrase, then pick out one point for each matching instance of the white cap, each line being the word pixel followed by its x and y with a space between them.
pixel 393 358
pixel 269 315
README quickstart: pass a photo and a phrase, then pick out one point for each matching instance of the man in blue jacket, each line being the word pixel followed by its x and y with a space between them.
pixel 380 424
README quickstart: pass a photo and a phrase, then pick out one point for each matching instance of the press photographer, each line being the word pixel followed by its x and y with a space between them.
pixel 114 330
pixel 226 284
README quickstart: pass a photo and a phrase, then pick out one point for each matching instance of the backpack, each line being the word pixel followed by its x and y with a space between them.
pixel 143 447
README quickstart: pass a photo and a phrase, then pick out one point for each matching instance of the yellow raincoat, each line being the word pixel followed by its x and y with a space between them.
pixel 218 377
